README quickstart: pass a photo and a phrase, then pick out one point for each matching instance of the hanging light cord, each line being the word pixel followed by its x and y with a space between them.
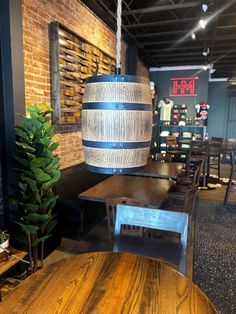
pixel 118 37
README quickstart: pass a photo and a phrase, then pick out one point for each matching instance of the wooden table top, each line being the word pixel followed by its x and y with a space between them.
pixel 107 282
pixel 162 170
pixel 151 191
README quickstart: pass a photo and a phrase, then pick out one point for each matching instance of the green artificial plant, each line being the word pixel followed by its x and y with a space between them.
pixel 37 171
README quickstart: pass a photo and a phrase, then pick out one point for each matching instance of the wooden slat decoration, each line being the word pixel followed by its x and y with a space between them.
pixel 72 60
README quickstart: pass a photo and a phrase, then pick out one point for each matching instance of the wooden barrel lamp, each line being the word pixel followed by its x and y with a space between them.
pixel 116 123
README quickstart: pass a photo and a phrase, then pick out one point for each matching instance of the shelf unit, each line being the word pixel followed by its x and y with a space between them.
pixel 193 129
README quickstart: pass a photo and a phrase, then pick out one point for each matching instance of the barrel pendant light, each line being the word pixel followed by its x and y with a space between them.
pixel 116 119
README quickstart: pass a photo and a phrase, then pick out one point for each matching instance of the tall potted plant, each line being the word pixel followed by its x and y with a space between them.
pixel 37 171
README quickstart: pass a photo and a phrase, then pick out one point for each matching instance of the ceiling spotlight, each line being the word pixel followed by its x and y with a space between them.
pixel 202 23
pixel 204 7
pixel 212 70
pixel 232 81
pixel 205 67
pixel 206 52
pixel 193 36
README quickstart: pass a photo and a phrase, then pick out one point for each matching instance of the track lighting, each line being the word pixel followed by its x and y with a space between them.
pixel 193 36
pixel 204 7
pixel 203 23
pixel 205 53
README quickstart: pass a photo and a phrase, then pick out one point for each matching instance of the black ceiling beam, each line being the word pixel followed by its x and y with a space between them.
pixel 211 54
pixel 160 8
pixel 161 23
pixel 151 43
pixel 147 55
pixel 179 32
pixel 202 59
pixel 189 47
pixel 171 22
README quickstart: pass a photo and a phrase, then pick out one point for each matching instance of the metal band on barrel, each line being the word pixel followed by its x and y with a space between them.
pixel 116 145
pixel 113 170
pixel 118 78
pixel 116 106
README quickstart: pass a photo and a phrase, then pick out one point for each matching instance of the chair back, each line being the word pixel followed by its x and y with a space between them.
pixel 154 219
pixel 233 165
pixel 231 177
pixel 216 140
pixel 164 157
pixel 214 149
pixel 198 147
pixel 190 199
pixel 197 174
pixel 171 141
pixel 111 212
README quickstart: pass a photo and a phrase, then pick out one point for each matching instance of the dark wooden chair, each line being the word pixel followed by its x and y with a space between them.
pixel 188 180
pixel 169 251
pixel 181 201
pixel 214 155
pixel 231 177
pixel 198 153
pixel 111 214
pixel 228 146
pixel 163 157
pixel 172 147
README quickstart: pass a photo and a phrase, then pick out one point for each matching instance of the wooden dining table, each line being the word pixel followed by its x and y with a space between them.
pixel 107 282
pixel 162 170
pixel 148 190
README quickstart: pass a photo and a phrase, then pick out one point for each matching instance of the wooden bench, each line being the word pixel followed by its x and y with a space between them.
pixel 77 216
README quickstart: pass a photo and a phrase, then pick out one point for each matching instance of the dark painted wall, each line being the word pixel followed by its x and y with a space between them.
pixel 218 101
pixel 163 85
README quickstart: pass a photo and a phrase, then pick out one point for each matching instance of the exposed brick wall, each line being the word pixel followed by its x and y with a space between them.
pixel 76 16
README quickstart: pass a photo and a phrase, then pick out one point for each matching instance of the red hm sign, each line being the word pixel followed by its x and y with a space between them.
pixel 183 86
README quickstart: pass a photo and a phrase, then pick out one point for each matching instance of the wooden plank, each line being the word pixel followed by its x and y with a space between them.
pixel 55 72
pixel 6 265
pixel 76 61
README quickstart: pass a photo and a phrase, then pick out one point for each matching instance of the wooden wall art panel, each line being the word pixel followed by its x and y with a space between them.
pixel 72 61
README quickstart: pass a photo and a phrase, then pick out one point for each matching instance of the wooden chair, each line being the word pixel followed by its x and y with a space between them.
pixel 216 140
pixel 231 177
pixel 228 146
pixel 214 154
pixel 111 213
pixel 172 147
pixel 172 252
pixel 181 201
pixel 190 179
pixel 199 152
pixel 163 157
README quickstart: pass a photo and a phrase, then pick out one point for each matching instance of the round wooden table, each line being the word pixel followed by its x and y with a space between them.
pixel 107 282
